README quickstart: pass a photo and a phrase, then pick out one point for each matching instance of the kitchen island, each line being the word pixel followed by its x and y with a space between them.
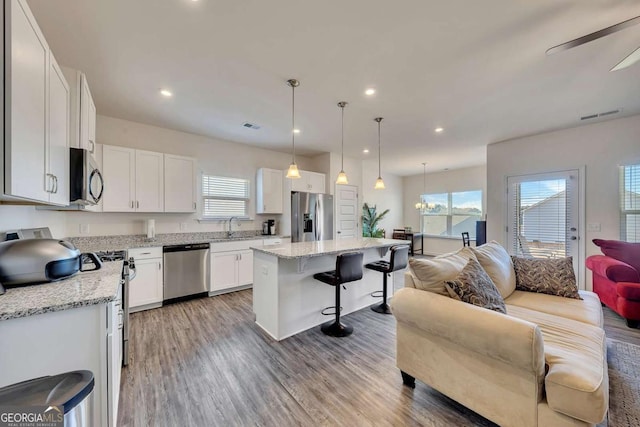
pixel 288 300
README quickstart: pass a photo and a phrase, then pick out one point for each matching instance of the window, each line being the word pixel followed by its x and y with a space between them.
pixel 224 197
pixel 450 214
pixel 630 203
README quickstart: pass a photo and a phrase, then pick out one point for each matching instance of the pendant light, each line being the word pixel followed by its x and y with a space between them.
pixel 379 182
pixel 342 177
pixel 421 205
pixel 293 172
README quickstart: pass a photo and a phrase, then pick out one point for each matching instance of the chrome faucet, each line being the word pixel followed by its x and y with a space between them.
pixel 230 231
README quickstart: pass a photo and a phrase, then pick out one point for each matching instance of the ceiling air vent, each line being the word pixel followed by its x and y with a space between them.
pixel 603 114
pixel 250 125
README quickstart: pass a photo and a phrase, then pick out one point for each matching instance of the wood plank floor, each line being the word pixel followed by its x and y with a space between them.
pixel 205 363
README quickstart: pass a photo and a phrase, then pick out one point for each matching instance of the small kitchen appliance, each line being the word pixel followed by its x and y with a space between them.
pixel 27 261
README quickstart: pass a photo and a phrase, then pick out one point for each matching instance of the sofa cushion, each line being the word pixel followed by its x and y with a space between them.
pixel 474 286
pixel 588 310
pixel 576 383
pixel 622 251
pixel 552 276
pixel 498 265
pixel 430 274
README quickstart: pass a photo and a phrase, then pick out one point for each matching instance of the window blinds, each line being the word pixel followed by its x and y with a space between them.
pixel 630 203
pixel 540 217
pixel 224 197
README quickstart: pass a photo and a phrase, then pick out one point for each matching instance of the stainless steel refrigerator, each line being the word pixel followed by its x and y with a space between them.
pixel 311 217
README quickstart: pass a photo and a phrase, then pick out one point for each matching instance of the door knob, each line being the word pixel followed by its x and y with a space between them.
pixel 574 238
pixel 573 229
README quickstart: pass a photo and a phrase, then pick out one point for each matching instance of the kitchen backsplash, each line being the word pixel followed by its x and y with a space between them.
pixel 107 243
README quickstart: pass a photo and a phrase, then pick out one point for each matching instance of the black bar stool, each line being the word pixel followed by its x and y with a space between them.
pixel 348 269
pixel 398 260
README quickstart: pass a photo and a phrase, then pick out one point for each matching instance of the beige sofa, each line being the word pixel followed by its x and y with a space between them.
pixel 542 364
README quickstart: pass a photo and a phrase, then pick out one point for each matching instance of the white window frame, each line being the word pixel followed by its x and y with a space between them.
pixel 449 215
pixel 623 211
pixel 238 197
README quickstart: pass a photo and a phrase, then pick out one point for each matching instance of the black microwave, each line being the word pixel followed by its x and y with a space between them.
pixel 86 182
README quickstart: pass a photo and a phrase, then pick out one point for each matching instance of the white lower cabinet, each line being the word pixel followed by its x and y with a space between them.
pixel 79 338
pixel 232 265
pixel 146 289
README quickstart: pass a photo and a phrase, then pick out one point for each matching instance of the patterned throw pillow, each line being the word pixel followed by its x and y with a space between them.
pixel 553 276
pixel 474 286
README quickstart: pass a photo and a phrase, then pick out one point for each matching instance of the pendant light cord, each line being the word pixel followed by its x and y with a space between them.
pixel 342 164
pixel 293 122
pixel 379 150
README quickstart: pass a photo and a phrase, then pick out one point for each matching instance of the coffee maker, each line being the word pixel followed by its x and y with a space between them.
pixel 269 227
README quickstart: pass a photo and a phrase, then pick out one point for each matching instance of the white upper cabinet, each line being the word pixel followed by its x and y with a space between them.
pixel 315 182
pixel 309 182
pixel 58 146
pixel 149 181
pixel 180 189
pixel 83 112
pixel 269 191
pixel 27 69
pixel 36 165
pixel 119 172
pixel 134 180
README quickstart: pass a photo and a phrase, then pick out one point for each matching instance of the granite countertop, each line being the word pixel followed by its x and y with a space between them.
pixel 110 243
pixel 83 289
pixel 326 247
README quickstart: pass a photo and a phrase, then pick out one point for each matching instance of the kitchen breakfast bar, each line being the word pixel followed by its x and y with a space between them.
pixel 288 300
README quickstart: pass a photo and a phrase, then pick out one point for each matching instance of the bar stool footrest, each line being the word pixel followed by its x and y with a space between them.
pixel 377 294
pixel 333 313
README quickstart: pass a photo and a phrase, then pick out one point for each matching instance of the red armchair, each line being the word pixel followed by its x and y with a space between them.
pixel 618 286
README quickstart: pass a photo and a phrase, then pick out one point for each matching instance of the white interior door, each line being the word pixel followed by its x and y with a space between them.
pixel 346 211
pixel 544 216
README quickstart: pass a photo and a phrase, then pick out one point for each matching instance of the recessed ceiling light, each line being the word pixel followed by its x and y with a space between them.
pixel 370 91
pixel 365 151
pixel 438 130
pixel 165 92
pixel 296 131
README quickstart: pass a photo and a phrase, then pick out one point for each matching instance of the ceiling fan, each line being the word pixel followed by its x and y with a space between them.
pixel 626 62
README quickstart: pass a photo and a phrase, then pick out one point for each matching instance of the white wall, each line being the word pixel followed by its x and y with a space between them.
pixel 473 178
pixel 389 198
pixel 15 217
pixel 214 157
pixel 600 147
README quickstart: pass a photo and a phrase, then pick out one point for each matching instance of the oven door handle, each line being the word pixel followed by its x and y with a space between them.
pixel 132 273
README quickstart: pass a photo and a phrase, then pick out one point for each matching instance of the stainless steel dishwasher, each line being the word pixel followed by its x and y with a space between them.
pixel 187 271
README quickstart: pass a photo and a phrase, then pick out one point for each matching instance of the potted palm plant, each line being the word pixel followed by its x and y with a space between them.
pixel 370 220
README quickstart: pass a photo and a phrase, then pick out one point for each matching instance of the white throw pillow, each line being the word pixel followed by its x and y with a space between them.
pixel 430 274
pixel 498 265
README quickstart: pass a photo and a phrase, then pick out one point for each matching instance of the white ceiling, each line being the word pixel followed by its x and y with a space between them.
pixel 477 68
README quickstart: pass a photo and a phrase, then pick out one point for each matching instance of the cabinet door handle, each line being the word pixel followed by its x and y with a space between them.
pixel 240 255
pixel 137 204
pixel 159 266
pixel 194 206
pixel 132 204
pixel 55 184
pixel 48 180
pixel 93 146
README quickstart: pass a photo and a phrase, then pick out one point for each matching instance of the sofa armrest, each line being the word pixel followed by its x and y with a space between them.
pixel 489 333
pixel 628 290
pixel 612 269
